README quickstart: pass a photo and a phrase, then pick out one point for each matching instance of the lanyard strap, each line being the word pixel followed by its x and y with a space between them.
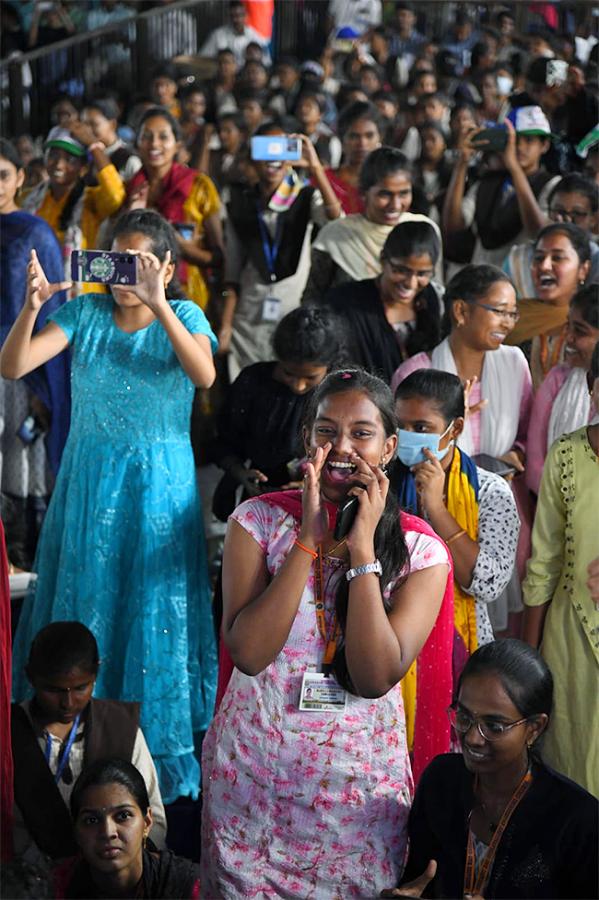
pixel 477 884
pixel 547 364
pixel 271 248
pixel 64 758
pixel 331 639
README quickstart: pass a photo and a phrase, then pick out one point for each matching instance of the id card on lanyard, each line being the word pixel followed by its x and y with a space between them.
pixel 63 757
pixel 271 307
pixel 320 691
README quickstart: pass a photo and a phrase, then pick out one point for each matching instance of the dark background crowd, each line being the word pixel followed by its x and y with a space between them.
pixel 407 310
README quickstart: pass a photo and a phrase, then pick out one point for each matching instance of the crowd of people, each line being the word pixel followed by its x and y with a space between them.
pixel 385 340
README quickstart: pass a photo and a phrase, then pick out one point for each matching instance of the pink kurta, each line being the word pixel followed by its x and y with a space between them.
pixel 538 428
pixel 300 804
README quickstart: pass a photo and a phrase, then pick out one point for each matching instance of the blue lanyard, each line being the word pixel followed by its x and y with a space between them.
pixel 67 750
pixel 271 249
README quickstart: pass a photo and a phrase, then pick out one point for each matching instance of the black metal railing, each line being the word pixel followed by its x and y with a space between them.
pixel 118 56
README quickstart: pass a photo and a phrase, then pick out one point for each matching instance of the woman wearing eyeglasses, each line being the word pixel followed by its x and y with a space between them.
pixel 495 821
pixel 480 313
pixel 397 314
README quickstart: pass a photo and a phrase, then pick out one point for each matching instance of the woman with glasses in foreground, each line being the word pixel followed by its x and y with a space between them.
pixel 495 821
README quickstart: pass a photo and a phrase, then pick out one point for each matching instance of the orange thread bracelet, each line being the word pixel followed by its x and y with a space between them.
pixel 313 553
pixel 455 536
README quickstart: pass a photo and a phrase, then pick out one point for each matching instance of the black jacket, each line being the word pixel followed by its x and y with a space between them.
pixel 549 848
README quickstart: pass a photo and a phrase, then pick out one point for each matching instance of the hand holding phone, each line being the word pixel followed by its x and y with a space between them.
pixel 276 148
pixel 103 267
pixel 346 516
pixel 490 140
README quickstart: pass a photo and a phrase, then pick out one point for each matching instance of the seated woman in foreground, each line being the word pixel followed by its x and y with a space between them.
pixel 497 822
pixel 112 818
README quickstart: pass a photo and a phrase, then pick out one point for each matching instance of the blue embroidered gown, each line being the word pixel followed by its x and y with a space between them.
pixel 122 547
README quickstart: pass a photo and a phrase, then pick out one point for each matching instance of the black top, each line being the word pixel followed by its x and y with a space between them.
pixel 261 421
pixel 371 340
pixel 549 848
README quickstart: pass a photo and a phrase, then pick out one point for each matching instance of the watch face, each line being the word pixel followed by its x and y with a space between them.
pixel 102 267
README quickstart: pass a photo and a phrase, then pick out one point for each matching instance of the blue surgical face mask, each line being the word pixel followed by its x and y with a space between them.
pixel 411 444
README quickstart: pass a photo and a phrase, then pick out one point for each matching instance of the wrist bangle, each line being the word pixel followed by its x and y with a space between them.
pixel 455 536
pixel 374 567
pixel 313 553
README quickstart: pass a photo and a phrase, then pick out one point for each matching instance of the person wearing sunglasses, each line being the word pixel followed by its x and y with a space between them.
pixel 480 314
pixel 495 821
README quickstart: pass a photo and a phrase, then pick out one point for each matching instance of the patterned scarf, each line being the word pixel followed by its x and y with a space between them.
pixel 462 504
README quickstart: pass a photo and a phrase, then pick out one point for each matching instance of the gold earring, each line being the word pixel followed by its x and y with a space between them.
pixel 145 840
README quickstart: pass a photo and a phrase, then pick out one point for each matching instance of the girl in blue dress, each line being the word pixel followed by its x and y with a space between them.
pixel 122 548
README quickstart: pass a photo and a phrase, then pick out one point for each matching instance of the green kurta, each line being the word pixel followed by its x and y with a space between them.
pixel 565 540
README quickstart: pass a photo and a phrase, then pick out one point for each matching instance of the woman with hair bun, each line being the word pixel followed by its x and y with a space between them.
pixel 496 821
pixel 398 313
pixel 121 548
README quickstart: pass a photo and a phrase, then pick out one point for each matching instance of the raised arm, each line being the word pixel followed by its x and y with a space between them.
pixel 22 351
pixel 532 217
pixel 193 350
pixel 259 611
pixel 381 647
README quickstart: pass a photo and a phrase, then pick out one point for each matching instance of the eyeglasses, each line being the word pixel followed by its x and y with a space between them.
pixel 558 214
pixel 502 313
pixel 489 729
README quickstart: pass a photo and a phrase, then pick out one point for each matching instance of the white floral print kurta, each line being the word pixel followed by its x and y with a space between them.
pixel 304 804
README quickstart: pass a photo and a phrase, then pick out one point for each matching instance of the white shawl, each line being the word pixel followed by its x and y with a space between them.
pixel 571 408
pixel 502 383
pixel 354 243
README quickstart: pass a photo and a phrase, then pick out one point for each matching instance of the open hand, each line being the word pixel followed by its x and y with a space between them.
pixel 314 515
pixel 39 288
pixel 476 407
pixel 151 276
pixel 371 488
pixel 416 887
pixel 430 482
pixel 310 159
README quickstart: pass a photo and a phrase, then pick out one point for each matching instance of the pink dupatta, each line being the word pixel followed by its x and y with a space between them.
pixel 434 686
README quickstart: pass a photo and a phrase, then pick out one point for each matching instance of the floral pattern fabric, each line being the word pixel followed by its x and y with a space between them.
pixel 304 804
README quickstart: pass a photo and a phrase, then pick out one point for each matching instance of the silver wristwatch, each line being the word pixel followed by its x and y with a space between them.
pixel 374 567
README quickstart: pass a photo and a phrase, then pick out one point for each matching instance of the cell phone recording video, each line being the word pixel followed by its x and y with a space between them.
pixel 103 267
pixel 276 148
pixel 491 139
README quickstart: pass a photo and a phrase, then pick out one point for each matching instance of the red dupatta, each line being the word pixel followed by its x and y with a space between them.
pixel 175 189
pixel 434 691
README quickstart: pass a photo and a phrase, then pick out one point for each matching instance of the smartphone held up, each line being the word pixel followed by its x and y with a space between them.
pixel 103 267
